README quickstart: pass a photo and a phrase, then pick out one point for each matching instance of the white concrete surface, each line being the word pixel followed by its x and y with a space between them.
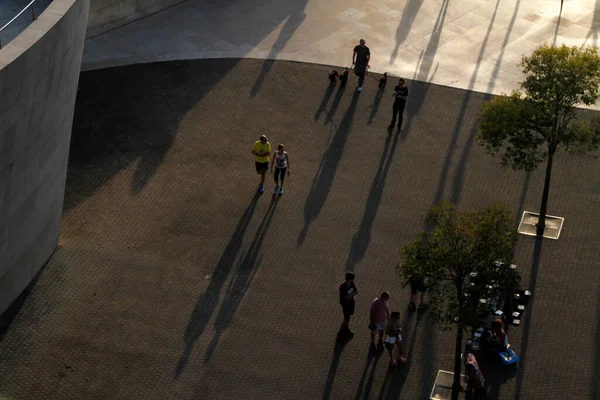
pixel 470 44
pixel 39 73
pixel 109 14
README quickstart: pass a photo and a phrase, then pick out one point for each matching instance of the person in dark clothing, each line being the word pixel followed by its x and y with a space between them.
pixel 360 60
pixel 400 96
pixel 348 291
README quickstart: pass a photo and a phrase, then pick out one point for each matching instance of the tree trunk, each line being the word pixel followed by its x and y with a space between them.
pixel 541 225
pixel 457 362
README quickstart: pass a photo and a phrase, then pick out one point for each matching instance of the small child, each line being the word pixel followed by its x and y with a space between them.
pixel 333 76
pixel 344 77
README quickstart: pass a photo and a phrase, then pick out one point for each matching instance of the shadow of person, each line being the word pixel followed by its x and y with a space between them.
pixel 375 106
pixel 340 343
pixel 241 280
pixel 334 104
pixel 368 375
pixel 294 20
pixel 208 301
pixel 361 240
pixel 328 92
pixel 411 9
pixel 323 180
pixel 495 373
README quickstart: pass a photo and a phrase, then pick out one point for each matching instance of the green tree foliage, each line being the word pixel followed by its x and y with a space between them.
pixel 458 259
pixel 529 126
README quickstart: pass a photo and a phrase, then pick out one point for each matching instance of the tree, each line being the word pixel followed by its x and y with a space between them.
pixel 528 127
pixel 458 257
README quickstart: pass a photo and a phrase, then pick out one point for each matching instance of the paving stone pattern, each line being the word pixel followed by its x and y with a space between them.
pixel 173 279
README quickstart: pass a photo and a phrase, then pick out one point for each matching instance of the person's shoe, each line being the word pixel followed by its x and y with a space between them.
pixel 360 88
pixel 261 189
pixel 412 306
pixel 423 306
pixel 280 191
pixel 393 362
pixel 391 126
pixel 402 360
pixel 276 190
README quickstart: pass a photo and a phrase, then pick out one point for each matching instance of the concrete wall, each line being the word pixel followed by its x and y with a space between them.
pixel 39 73
pixel 109 14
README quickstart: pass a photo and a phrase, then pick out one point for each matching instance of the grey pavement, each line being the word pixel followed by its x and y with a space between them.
pixel 173 279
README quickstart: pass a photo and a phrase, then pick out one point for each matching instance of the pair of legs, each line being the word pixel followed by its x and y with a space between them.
pixel 417 294
pixel 397 110
pixel 390 349
pixel 348 312
pixel 360 71
pixel 261 169
pixel 279 174
pixel 379 328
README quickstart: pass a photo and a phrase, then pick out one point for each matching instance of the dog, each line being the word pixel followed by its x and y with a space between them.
pixel 333 77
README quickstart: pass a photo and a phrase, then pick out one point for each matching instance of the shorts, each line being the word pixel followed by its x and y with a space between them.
pixel 261 166
pixel 348 312
pixel 390 344
pixel 417 286
pixel 379 326
pixel 279 174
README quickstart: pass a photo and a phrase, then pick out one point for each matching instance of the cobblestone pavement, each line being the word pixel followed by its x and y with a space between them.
pixel 173 279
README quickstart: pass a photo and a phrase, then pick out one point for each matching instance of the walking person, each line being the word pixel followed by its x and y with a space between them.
pixel 475 379
pixel 393 338
pixel 400 96
pixel 261 150
pixel 360 60
pixel 348 292
pixel 281 161
pixel 378 317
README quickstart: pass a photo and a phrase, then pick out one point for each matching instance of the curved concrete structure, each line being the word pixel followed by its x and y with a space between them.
pixel 39 72
pixel 109 14
pixel 468 44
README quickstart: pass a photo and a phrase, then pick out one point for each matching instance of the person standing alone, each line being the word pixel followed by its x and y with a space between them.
pixel 360 60
pixel 282 164
pixel 400 96
pixel 348 291
pixel 261 150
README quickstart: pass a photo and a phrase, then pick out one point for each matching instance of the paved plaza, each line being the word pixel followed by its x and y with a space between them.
pixel 468 44
pixel 173 279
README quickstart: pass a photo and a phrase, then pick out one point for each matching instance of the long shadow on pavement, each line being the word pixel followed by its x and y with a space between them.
pixel 535 266
pixel 328 92
pixel 208 301
pixel 595 383
pixel 294 20
pixel 368 375
pixel 340 343
pixel 240 282
pixel 325 175
pixel 361 240
pixel 375 106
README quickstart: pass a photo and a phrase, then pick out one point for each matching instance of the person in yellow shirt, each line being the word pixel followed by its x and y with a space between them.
pixel 261 150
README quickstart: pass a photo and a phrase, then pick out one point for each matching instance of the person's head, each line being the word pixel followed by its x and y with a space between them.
pixel 395 315
pixel 385 296
pixel 498 326
pixel 401 81
pixel 362 42
pixel 280 147
pixel 263 139
pixel 350 276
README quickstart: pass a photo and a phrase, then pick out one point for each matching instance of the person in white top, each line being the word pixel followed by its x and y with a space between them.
pixel 281 161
